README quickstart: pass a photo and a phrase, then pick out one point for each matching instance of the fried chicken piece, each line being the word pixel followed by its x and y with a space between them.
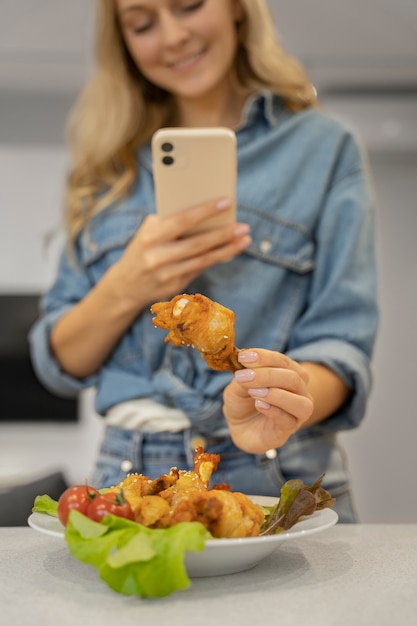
pixel 134 487
pixel 162 482
pixel 221 487
pixel 205 464
pixel 197 321
pixel 151 510
pixel 196 506
pixel 188 482
pixel 197 480
pixel 223 513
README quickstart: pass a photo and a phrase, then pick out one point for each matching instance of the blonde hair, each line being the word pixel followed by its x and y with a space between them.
pixel 119 110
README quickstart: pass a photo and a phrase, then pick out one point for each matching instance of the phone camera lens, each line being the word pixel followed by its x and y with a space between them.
pixel 167 147
pixel 167 160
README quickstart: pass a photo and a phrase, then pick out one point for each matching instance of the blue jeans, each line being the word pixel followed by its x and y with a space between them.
pixel 124 451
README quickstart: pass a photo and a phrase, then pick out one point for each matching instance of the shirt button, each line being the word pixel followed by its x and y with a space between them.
pixel 271 454
pixel 126 465
pixel 266 245
pixel 198 442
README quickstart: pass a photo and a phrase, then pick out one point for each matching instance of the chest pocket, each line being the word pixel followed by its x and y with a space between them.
pixel 105 241
pixel 279 241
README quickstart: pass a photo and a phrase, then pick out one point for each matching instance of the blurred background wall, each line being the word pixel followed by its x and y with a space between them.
pixel 362 58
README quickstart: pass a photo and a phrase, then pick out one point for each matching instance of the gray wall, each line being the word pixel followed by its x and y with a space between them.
pixel 382 451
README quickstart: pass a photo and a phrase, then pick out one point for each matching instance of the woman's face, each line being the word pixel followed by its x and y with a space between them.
pixel 186 47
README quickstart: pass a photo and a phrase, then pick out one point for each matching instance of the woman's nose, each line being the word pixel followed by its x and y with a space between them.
pixel 173 30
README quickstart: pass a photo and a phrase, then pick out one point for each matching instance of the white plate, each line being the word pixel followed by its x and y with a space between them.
pixel 223 556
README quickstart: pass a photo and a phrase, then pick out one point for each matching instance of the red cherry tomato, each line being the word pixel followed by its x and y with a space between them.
pixel 109 503
pixel 78 497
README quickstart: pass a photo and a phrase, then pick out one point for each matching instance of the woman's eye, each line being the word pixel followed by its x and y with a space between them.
pixel 193 6
pixel 136 26
pixel 141 28
pixel 189 7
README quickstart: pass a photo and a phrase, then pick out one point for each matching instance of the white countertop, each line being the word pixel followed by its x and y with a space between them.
pixel 348 575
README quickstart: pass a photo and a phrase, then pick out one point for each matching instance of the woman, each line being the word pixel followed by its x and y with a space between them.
pixel 298 268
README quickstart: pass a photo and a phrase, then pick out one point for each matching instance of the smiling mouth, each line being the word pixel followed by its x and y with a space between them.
pixel 187 62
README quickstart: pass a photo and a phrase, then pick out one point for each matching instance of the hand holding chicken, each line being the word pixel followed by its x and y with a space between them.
pixel 267 401
pixel 269 398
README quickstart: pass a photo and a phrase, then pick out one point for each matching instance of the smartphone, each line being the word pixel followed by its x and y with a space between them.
pixel 191 166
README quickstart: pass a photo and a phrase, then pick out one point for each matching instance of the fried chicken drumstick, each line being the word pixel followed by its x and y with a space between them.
pixel 197 321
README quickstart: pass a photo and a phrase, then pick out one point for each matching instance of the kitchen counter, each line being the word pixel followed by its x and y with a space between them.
pixel 348 575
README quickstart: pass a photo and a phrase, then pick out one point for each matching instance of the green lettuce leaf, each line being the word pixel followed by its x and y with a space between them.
pixel 133 559
pixel 45 504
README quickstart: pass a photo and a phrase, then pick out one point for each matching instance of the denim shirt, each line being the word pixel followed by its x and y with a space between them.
pixel 306 286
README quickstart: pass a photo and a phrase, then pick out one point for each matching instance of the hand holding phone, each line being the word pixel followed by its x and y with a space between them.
pixel 192 166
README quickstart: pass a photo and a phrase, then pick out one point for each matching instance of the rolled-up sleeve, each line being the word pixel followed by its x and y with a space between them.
pixel 70 286
pixel 353 367
pixel 338 328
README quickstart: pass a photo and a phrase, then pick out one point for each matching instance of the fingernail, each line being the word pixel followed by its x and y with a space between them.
pixel 241 229
pixel 261 392
pixel 244 243
pixel 247 356
pixel 260 404
pixel 244 376
pixel 223 204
